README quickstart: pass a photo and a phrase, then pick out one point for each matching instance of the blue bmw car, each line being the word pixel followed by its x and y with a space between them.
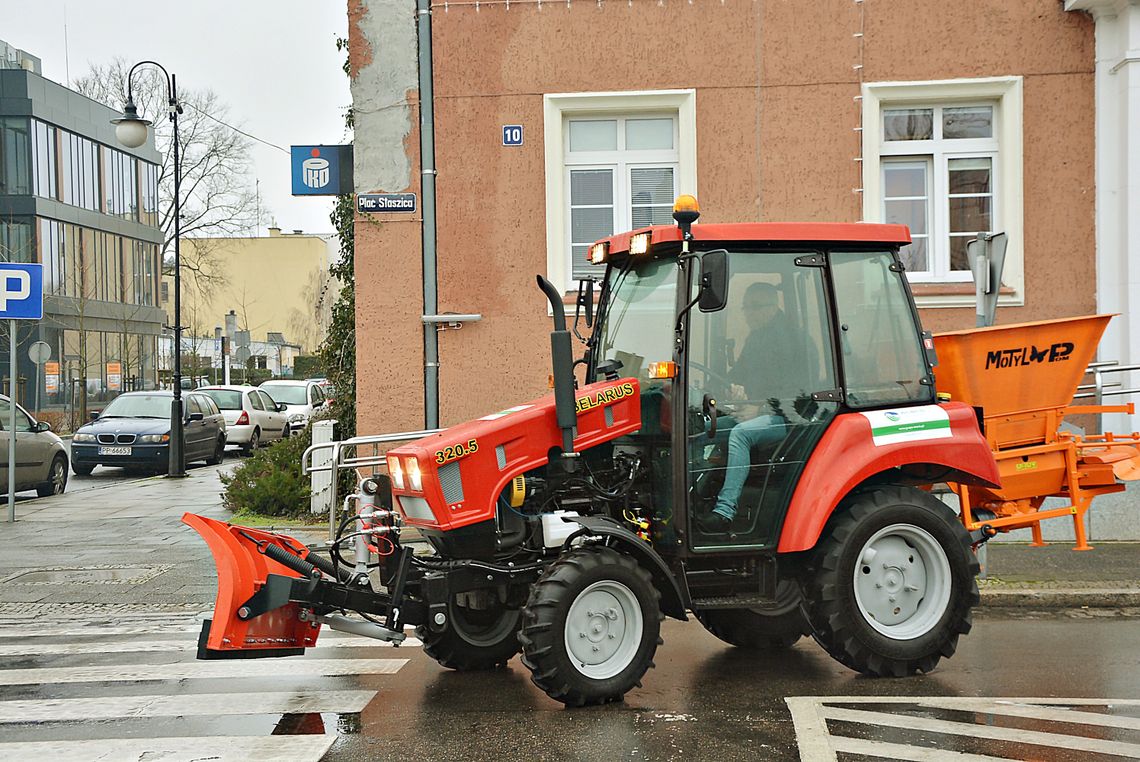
pixel 133 431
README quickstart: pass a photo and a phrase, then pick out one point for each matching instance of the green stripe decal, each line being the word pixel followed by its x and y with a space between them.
pixel 909 428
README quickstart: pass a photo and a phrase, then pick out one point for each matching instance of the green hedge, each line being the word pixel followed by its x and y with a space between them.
pixel 270 482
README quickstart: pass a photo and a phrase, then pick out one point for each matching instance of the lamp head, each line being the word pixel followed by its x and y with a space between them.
pixel 130 128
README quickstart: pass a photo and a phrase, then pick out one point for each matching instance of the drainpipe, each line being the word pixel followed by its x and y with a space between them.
pixel 427 185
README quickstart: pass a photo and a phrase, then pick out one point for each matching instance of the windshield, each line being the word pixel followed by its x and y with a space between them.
pixel 138 406
pixel 227 399
pixel 638 327
pixel 292 394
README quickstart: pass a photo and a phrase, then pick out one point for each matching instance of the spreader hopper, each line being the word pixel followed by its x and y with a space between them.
pixel 1023 378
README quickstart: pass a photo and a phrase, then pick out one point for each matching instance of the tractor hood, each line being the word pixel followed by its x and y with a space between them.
pixel 453 479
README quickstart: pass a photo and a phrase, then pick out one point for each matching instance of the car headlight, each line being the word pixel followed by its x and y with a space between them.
pixel 154 438
pixel 83 438
pixel 297 418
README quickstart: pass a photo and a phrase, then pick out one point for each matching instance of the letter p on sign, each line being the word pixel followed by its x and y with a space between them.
pixel 17 287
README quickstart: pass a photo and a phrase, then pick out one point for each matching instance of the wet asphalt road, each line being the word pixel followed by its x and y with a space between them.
pixel 706 700
pixel 125 685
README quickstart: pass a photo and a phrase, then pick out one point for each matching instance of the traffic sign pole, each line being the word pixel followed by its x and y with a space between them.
pixel 12 421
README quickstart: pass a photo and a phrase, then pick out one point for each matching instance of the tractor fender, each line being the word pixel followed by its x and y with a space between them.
pixel 855 447
pixel 673 601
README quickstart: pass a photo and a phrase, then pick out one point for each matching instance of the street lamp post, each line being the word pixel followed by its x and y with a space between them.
pixel 131 131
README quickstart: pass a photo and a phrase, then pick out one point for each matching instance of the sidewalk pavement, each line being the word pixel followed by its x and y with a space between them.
pixel 124 545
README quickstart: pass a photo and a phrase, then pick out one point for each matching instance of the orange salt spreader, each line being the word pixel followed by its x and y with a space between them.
pixel 1023 378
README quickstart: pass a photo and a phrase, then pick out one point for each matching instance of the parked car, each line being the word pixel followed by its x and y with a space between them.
pixel 303 400
pixel 252 416
pixel 41 458
pixel 133 431
pixel 327 388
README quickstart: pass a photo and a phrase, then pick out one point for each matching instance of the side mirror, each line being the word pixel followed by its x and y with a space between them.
pixel 196 417
pixel 714 281
pixel 282 407
pixel 94 415
pixel 43 426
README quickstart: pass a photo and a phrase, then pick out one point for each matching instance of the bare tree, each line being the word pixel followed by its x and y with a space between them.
pixel 218 198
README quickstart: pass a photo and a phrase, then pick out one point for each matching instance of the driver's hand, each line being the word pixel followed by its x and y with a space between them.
pixel 736 392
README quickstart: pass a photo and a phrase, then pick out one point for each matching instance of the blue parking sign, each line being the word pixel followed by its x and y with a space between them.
pixel 21 291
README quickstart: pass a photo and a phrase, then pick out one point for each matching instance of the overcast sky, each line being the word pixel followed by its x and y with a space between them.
pixel 275 64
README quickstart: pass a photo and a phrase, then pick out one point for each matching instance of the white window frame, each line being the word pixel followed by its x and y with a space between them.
pixel 558 110
pixel 1005 93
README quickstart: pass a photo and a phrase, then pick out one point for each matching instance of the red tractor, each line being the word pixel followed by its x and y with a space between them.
pixel 754 443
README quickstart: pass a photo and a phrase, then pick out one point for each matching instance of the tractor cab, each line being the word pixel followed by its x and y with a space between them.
pixel 747 341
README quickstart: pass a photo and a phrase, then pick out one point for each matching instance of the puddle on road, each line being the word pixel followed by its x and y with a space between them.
pixel 88 575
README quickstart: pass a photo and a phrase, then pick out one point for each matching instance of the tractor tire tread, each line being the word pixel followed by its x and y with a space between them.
pixel 836 628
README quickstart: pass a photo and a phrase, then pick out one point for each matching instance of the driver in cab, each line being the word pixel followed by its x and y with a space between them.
pixel 768 368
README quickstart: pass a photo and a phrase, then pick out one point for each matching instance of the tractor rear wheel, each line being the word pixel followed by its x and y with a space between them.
pixel 772 627
pixel 591 626
pixel 474 639
pixel 892 583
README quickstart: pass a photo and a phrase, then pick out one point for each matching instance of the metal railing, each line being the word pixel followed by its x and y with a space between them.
pixel 1098 389
pixel 346 455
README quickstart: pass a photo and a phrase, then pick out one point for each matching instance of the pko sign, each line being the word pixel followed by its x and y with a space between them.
pixel 321 170
pixel 21 291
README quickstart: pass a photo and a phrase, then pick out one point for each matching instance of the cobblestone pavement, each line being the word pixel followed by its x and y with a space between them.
pixel 121 544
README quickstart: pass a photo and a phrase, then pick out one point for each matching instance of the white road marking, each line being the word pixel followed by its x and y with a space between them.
pixel 886 750
pixel 302 748
pixel 818 743
pixel 1011 708
pixel 811 729
pixel 187 705
pixel 1013 735
pixel 171 646
pixel 224 669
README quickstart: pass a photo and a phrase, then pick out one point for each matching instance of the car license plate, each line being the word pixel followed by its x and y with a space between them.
pixel 114 451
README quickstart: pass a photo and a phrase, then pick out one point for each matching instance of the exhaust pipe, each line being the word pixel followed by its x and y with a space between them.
pixel 562 357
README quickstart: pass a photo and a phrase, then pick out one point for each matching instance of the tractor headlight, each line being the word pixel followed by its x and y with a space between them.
pixel 83 438
pixel 639 244
pixel 154 438
pixel 415 480
pixel 396 471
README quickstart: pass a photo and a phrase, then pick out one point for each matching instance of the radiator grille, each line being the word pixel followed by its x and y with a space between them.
pixel 501 456
pixel 113 439
pixel 451 483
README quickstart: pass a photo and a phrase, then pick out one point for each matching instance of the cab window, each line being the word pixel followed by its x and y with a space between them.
pixel 880 345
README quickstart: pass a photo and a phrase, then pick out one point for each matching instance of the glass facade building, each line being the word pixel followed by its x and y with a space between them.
pixel 75 201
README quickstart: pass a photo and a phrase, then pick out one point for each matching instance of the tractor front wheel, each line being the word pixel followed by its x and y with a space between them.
pixel 591 626
pixel 772 627
pixel 474 639
pixel 893 583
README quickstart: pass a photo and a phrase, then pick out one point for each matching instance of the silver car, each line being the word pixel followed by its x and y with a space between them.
pixel 41 458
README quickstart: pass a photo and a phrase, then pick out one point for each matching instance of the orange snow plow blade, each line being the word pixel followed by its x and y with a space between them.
pixel 243 566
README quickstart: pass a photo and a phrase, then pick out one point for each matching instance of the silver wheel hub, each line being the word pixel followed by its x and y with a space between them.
pixel 902 581
pixel 603 629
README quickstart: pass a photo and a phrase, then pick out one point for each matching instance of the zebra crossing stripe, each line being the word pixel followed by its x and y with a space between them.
pixel 300 748
pixel 902 752
pixel 193 670
pixel 168 646
pixel 188 705
pixel 1011 708
pixel 817 743
pixel 973 730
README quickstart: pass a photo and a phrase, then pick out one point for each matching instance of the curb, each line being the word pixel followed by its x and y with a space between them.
pixel 1061 598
